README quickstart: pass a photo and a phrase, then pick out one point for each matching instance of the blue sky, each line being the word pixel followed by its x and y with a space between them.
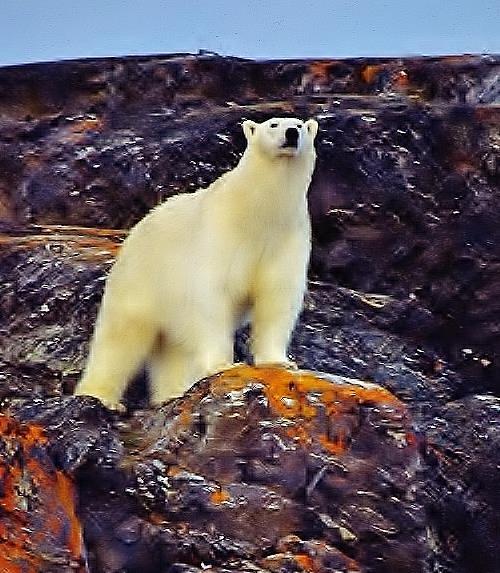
pixel 44 30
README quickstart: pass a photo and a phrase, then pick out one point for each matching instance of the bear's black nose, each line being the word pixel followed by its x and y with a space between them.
pixel 291 137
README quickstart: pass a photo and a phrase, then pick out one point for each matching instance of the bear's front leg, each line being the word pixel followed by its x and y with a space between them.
pixel 278 296
pixel 273 318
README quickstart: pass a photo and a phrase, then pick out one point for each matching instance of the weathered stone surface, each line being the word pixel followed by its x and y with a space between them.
pixel 463 492
pixel 279 470
pixel 79 432
pixel 405 270
pixel 51 284
pixel 404 206
pixel 39 530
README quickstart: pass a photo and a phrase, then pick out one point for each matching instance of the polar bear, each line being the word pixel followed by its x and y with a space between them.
pixel 198 265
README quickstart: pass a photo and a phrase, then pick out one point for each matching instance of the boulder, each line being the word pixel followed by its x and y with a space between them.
pixel 264 468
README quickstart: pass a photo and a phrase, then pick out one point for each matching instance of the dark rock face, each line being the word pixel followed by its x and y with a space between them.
pixel 464 497
pixel 51 284
pixel 405 270
pixel 407 210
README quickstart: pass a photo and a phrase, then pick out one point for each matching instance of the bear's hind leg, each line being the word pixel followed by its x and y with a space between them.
pixel 117 351
pixel 172 371
pixel 175 368
pixel 216 352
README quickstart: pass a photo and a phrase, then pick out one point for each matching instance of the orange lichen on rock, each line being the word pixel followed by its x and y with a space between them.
pixel 317 76
pixel 321 70
pixel 289 562
pixel 219 496
pixel 301 396
pixel 39 525
pixel 84 247
pixel 398 78
pixel 334 446
pixel 174 471
pixel 86 124
pixel 305 562
pixel 314 557
pixel 401 79
pixel 78 131
pixel 369 73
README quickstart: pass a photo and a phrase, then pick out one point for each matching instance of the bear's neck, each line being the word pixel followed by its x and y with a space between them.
pixel 276 185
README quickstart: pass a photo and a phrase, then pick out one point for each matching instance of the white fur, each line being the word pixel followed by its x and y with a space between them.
pixel 194 268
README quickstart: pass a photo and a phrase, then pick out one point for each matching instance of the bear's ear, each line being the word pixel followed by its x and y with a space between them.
pixel 249 128
pixel 312 127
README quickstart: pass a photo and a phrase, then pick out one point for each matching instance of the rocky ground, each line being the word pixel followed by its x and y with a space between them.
pixel 404 293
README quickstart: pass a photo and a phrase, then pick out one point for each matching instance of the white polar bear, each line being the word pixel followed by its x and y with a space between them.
pixel 198 265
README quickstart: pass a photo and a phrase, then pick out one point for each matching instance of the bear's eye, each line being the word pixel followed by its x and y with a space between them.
pixel 273 125
pixel 299 125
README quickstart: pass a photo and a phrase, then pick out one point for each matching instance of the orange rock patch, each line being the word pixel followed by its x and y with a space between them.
pixel 37 505
pixel 220 496
pixel 369 73
pixel 300 397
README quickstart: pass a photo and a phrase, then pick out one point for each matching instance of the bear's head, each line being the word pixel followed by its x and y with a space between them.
pixel 281 136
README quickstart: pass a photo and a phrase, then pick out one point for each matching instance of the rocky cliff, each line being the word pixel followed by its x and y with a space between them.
pixel 261 471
